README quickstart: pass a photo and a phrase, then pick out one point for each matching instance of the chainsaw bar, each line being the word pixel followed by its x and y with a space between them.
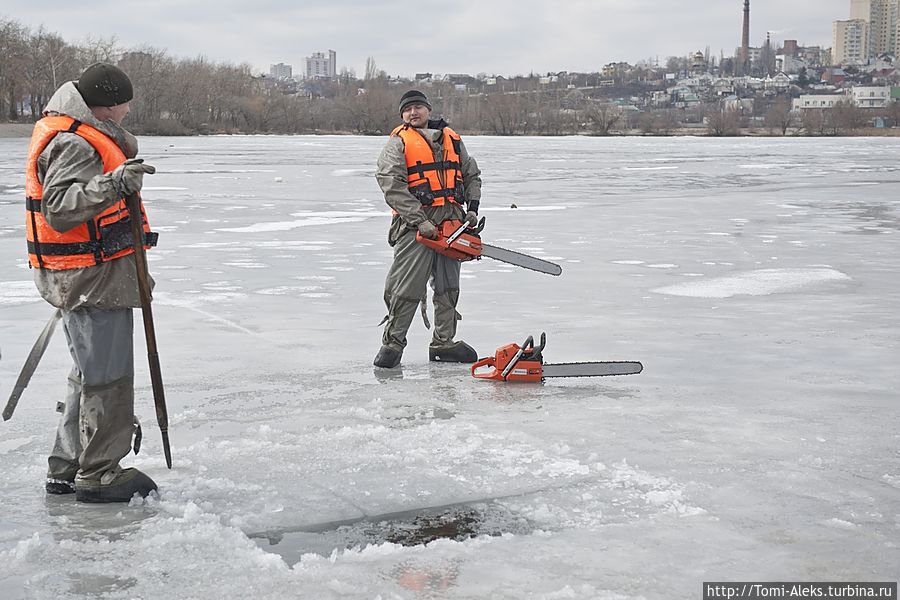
pixel 592 369
pixel 460 241
pixel 520 260
pixel 31 363
pixel 525 363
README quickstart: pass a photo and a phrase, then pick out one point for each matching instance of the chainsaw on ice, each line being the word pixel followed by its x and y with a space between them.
pixel 525 363
pixel 458 240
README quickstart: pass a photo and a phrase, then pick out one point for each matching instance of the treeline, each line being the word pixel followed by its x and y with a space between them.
pixel 172 96
pixel 185 96
pixel 177 96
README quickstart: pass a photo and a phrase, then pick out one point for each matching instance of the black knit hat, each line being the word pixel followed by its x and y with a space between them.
pixel 103 84
pixel 413 97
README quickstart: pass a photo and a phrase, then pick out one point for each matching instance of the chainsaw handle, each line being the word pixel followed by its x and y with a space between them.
pixel 485 362
pixel 528 343
pixel 536 355
pixel 465 228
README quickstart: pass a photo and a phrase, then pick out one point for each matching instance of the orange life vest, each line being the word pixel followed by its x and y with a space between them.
pixel 433 183
pixel 105 237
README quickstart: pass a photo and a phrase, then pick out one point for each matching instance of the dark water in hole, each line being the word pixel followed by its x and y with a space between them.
pixel 459 522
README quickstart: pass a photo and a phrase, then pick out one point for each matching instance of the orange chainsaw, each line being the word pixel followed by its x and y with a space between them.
pixel 461 242
pixel 525 363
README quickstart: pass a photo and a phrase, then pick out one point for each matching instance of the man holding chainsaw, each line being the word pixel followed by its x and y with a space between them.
pixel 428 178
pixel 80 169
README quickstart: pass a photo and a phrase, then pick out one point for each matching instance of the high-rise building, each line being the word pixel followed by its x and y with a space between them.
pixel 321 65
pixel 882 18
pixel 850 41
pixel 280 71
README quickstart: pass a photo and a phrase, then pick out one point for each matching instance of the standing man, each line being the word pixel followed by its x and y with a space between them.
pixel 427 177
pixel 80 169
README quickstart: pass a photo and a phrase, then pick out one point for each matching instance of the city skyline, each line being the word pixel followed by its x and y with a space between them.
pixel 488 36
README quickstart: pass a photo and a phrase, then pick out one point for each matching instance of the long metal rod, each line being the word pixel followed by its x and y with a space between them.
pixel 143 276
pixel 31 363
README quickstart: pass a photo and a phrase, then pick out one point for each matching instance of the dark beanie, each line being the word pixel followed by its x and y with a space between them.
pixel 103 84
pixel 413 97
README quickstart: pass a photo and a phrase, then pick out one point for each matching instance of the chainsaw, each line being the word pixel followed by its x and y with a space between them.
pixel 525 363
pixel 459 241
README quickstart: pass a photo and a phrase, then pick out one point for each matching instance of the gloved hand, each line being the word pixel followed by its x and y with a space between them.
pixel 428 230
pixel 129 176
pixel 471 218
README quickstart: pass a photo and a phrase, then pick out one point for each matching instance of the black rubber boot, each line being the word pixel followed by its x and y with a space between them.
pixel 121 489
pixel 387 358
pixel 59 486
pixel 459 352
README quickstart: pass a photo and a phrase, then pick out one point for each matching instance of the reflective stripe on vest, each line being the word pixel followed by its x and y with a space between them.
pixel 440 178
pixel 103 238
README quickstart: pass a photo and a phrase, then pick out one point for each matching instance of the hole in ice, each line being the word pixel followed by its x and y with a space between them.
pixel 413 528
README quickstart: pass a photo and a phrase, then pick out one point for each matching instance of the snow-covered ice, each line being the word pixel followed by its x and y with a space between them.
pixel 756 279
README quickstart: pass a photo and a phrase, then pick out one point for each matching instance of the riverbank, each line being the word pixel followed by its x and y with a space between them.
pixel 15 130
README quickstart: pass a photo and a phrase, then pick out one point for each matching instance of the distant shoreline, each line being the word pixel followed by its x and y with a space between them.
pixel 23 130
pixel 15 130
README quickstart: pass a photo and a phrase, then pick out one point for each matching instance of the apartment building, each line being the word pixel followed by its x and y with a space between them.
pixel 281 71
pixel 882 17
pixel 850 41
pixel 871 96
pixel 321 65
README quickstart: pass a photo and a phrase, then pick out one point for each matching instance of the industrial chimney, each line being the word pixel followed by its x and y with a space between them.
pixel 744 67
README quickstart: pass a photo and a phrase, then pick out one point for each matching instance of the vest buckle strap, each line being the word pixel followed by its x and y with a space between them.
pixel 50 249
pixel 421 168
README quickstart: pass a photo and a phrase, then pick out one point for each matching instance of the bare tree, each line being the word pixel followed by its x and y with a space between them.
pixel 373 111
pixel 504 114
pixel 657 122
pixel 812 121
pixel 892 112
pixel 230 84
pixel 372 71
pixel 99 49
pixel 56 57
pixel 845 118
pixel 346 76
pixel 780 117
pixel 13 50
pixel 150 70
pixel 189 102
pixel 254 113
pixel 723 121
pixel 603 116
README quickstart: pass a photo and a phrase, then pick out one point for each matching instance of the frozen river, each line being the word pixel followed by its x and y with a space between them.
pixel 756 279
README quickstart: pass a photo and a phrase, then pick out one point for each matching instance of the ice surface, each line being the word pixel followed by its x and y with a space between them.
pixel 755 283
pixel 756 279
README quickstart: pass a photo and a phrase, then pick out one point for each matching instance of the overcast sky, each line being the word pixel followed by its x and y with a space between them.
pixel 404 37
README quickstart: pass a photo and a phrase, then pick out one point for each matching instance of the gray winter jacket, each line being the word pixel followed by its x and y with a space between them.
pixel 393 179
pixel 75 190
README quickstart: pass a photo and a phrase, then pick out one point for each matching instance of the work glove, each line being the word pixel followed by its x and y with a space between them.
pixel 129 176
pixel 471 218
pixel 428 230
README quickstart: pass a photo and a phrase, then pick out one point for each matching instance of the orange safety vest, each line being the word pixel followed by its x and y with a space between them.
pixel 105 237
pixel 433 183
